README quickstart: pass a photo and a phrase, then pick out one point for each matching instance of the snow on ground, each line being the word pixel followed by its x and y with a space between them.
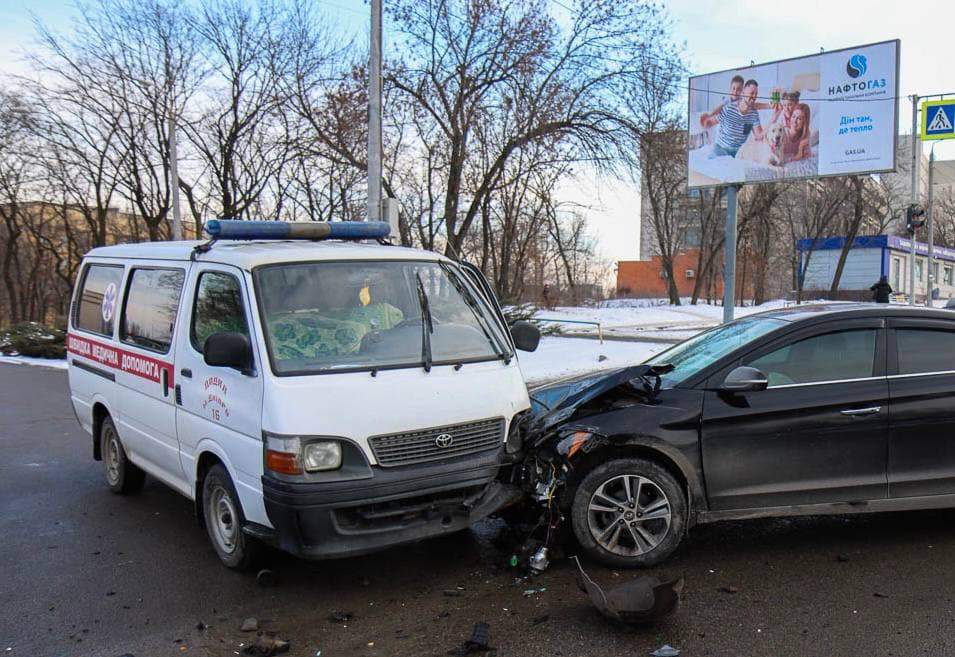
pixel 56 363
pixel 557 357
pixel 646 317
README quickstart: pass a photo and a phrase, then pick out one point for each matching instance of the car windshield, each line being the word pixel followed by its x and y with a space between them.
pixel 334 316
pixel 691 356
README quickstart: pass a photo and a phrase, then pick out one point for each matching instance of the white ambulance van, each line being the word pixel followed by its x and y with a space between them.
pixel 330 397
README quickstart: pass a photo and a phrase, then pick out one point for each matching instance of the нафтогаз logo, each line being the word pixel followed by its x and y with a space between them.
pixel 856 66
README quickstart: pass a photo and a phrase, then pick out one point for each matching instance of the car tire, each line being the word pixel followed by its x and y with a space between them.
pixel 614 528
pixel 122 475
pixel 224 519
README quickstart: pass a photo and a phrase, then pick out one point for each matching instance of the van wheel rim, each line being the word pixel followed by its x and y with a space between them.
pixel 112 458
pixel 629 515
pixel 225 526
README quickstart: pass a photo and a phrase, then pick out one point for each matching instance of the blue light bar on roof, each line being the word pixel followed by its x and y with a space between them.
pixel 232 229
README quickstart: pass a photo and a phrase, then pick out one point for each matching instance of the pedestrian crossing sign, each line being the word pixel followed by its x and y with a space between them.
pixel 938 119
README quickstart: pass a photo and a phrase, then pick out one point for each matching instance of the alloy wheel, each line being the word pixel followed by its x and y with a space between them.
pixel 629 515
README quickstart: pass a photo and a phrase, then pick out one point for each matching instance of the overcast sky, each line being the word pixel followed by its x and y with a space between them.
pixel 719 34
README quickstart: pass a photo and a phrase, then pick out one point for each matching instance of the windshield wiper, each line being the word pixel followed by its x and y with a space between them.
pixel 499 350
pixel 427 325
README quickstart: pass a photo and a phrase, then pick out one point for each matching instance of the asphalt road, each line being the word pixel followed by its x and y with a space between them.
pixel 85 572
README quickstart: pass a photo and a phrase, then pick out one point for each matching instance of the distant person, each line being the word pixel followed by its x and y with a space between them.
pixel 881 290
pixel 736 120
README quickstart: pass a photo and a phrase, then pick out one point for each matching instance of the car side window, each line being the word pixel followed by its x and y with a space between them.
pixel 925 350
pixel 98 298
pixel 218 307
pixel 828 357
pixel 149 314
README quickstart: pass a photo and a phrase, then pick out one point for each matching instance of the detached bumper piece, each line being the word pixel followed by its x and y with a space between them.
pixel 396 505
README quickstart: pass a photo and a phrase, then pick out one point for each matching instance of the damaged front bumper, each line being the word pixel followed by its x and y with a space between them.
pixel 395 506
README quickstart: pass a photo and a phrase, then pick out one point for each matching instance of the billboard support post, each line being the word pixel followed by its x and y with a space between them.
pixel 729 255
pixel 916 160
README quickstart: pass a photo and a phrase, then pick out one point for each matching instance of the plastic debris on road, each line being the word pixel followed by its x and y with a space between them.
pixel 478 643
pixel 639 601
pixel 266 645
pixel 665 651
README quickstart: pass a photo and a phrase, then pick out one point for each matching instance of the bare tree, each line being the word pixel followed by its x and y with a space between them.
pixel 509 63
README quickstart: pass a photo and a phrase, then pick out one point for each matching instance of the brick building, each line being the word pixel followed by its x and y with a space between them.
pixel 646 279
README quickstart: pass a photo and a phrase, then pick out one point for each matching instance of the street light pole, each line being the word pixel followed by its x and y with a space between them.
pixel 374 116
pixel 174 179
pixel 931 227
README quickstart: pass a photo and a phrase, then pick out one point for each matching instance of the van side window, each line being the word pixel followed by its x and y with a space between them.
pixel 98 299
pixel 218 307
pixel 149 314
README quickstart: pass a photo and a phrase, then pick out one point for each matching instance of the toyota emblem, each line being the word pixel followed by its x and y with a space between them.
pixel 444 440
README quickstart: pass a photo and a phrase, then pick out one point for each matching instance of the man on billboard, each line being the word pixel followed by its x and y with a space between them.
pixel 736 121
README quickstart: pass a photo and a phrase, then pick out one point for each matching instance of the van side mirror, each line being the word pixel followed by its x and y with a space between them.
pixel 744 379
pixel 228 349
pixel 526 335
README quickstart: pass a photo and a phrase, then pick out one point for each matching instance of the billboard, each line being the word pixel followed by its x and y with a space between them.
pixel 833 113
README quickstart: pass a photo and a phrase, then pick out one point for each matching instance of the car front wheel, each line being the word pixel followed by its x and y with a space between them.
pixel 629 512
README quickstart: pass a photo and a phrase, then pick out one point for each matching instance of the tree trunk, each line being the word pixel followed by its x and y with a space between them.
pixel 857 216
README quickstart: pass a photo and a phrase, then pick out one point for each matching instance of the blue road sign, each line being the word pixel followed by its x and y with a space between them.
pixel 938 119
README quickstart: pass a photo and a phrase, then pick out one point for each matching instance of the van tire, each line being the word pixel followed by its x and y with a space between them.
pixel 224 519
pixel 624 539
pixel 122 475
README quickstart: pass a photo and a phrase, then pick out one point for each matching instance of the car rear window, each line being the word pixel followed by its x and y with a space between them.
pixel 149 315
pixel 925 350
pixel 98 299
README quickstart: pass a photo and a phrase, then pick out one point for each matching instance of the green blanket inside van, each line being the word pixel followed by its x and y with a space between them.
pixel 315 335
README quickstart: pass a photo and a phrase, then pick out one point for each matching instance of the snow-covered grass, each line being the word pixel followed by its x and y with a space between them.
pixel 558 357
pixel 646 317
pixel 55 363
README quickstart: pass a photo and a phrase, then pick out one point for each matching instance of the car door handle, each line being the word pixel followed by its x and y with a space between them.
pixel 186 372
pixel 861 411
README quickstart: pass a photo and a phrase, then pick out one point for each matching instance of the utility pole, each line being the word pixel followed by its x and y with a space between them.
pixel 930 213
pixel 374 116
pixel 174 178
pixel 729 255
pixel 916 160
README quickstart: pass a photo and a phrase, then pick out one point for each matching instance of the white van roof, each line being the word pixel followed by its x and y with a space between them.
pixel 250 254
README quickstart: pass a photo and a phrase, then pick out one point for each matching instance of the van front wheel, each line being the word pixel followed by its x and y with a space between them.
pixel 121 474
pixel 223 515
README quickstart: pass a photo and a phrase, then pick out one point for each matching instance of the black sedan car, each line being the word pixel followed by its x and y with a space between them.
pixel 840 408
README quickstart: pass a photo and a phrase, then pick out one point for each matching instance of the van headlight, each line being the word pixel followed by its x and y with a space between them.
pixel 323 455
pixel 295 455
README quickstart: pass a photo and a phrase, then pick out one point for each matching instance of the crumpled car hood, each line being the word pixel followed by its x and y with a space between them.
pixel 564 397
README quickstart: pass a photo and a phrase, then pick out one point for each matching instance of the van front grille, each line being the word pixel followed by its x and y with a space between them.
pixel 437 443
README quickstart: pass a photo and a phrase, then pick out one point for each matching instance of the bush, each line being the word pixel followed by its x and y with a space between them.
pixel 33 339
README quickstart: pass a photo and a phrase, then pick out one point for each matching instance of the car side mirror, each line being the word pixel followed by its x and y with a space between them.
pixel 744 379
pixel 526 335
pixel 228 349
